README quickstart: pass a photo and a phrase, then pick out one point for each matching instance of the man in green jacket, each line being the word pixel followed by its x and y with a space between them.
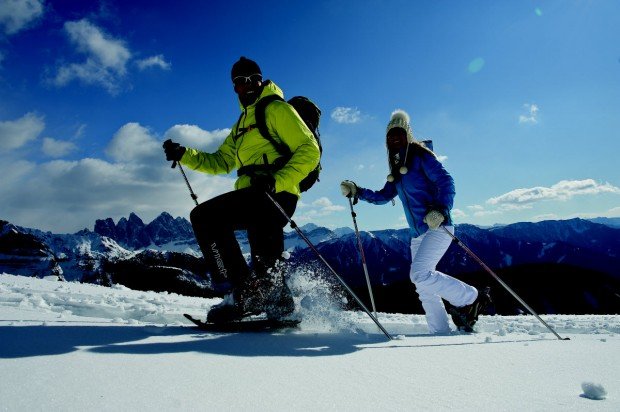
pixel 261 169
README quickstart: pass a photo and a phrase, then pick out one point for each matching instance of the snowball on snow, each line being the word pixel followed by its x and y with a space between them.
pixel 593 391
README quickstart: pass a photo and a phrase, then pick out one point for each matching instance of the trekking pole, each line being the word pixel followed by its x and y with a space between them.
pixel 301 234
pixel 361 248
pixel 501 282
pixel 191 192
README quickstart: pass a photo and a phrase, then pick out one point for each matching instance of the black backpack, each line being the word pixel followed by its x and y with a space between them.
pixel 309 113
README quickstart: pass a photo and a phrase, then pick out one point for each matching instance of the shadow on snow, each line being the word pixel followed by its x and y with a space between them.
pixel 30 341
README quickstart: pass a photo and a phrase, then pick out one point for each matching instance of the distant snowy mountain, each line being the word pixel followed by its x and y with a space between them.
pixel 174 234
pixel 314 233
pixel 608 221
pixel 163 255
pixel 577 232
pixel 22 253
pixel 166 233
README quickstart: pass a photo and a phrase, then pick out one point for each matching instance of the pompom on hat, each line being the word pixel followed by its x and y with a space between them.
pixel 245 67
pixel 401 119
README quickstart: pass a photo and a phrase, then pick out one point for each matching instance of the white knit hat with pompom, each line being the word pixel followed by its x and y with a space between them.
pixel 400 118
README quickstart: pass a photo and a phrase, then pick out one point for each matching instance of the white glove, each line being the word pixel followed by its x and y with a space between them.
pixel 434 219
pixel 349 189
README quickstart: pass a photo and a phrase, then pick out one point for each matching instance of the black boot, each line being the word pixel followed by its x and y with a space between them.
pixel 265 290
pixel 245 300
pixel 280 301
pixel 278 298
pixel 228 310
pixel 466 317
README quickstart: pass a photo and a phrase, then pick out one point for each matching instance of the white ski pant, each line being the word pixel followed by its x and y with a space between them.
pixel 432 285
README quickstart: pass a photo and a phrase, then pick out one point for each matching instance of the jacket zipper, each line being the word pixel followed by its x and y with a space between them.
pixel 245 114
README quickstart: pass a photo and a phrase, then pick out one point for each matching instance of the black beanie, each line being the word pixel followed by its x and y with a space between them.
pixel 244 67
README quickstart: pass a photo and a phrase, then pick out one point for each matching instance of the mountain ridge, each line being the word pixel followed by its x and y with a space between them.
pixel 163 254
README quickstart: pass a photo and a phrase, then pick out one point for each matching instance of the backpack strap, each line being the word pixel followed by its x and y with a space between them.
pixel 261 123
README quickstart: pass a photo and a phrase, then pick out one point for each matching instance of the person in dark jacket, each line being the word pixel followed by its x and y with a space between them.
pixel 426 191
pixel 261 170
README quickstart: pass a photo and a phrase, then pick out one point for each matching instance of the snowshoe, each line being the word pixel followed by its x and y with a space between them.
pixel 246 325
pixel 466 317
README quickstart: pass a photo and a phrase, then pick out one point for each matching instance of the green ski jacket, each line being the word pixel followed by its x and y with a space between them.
pixel 245 146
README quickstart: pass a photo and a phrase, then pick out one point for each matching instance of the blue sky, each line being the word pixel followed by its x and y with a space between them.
pixel 521 99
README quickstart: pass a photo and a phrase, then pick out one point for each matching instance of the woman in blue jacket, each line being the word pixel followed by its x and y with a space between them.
pixel 426 191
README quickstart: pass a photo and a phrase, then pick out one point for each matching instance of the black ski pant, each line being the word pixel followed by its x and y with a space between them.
pixel 216 220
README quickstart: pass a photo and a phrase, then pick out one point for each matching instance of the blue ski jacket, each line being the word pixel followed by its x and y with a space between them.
pixel 426 186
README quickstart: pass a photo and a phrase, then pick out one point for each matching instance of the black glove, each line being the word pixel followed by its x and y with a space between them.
pixel 265 183
pixel 174 151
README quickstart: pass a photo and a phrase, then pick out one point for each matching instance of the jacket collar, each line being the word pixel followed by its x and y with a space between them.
pixel 269 88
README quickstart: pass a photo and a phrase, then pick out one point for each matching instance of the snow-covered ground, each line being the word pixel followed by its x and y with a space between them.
pixel 75 347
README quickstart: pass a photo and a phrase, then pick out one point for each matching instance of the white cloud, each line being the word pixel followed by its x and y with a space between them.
pixel 57 148
pixel 319 208
pixel 480 211
pixel 483 212
pixel 79 132
pixel 65 196
pixel 106 57
pixel 16 15
pixel 547 216
pixel 458 213
pixel 134 143
pixel 153 61
pixel 509 207
pixel 16 133
pixel 346 115
pixel 614 212
pixel 13 173
pixel 194 136
pixel 402 222
pixel 531 117
pixel 326 205
pixel 89 72
pixel 96 44
pixel 563 190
